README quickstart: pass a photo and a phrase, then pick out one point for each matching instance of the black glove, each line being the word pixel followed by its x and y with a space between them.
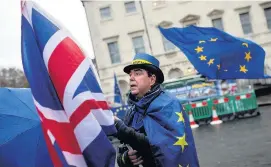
pixel 123 159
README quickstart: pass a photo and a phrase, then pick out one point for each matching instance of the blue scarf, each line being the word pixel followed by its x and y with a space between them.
pixel 138 110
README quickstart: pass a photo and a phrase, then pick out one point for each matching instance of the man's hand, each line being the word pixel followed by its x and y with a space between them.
pixel 134 158
pixel 116 118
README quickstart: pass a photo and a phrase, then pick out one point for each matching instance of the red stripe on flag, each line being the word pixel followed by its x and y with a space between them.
pixel 65 59
pixel 102 104
pixel 53 154
pixel 84 109
pixel 63 133
pixel 80 113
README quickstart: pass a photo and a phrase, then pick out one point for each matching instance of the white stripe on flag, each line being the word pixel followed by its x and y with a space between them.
pixel 70 104
pixel 27 11
pixel 52 44
pixel 51 136
pixel 56 115
pixel 89 95
pixel 74 159
pixel 87 130
pixel 105 117
pixel 74 103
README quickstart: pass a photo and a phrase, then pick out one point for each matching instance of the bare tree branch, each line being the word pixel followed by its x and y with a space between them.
pixel 13 77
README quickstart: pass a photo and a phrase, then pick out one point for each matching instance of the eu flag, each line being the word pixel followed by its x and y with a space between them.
pixel 169 133
pixel 117 97
pixel 218 55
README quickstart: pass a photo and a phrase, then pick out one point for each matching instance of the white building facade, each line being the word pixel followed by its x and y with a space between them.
pixel 120 29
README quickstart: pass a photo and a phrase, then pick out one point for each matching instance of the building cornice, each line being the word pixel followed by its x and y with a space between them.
pixel 190 17
pixel 215 12
pixel 165 24
pixel 266 4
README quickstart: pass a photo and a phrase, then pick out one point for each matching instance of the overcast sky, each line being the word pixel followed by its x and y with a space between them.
pixel 68 12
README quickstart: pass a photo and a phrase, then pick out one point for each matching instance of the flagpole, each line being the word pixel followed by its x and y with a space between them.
pixel 145 24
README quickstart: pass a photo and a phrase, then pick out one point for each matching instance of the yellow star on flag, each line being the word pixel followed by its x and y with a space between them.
pixel 202 57
pixel 211 61
pixel 213 39
pixel 199 49
pixel 180 114
pixel 243 69
pixel 181 142
pixel 245 44
pixel 218 66
pixel 202 41
pixel 248 56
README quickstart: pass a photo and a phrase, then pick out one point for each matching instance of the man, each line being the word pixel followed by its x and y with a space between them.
pixel 155 127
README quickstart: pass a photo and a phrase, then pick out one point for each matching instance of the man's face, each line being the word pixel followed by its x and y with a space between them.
pixel 140 82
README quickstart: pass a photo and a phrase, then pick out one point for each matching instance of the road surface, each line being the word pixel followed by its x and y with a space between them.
pixel 238 143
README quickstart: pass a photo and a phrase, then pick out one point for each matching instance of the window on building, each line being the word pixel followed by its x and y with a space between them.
pixel 105 12
pixel 267 12
pixel 138 43
pixel 114 52
pixel 189 24
pixel 245 22
pixel 217 23
pixel 130 7
pixel 190 19
pixel 175 73
pixel 168 46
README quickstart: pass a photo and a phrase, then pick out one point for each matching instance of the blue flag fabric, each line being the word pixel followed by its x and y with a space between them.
pixel 169 133
pixel 218 55
pixel 117 97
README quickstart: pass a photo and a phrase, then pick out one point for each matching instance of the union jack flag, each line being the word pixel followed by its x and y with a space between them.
pixel 75 116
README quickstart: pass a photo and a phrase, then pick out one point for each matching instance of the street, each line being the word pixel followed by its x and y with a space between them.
pixel 237 143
